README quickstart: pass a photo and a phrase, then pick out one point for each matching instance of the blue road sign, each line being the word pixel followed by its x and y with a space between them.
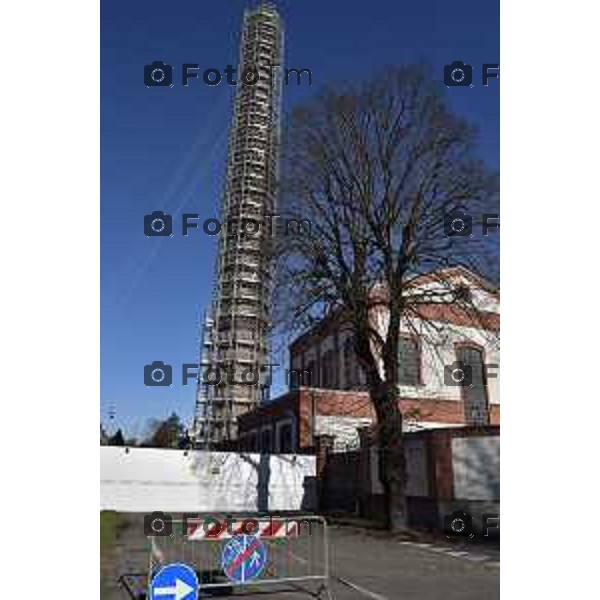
pixel 243 558
pixel 174 582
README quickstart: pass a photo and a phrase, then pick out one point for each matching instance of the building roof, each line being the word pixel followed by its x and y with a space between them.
pixel 445 275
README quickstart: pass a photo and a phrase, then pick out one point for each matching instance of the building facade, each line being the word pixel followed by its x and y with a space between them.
pixel 235 333
pixel 441 343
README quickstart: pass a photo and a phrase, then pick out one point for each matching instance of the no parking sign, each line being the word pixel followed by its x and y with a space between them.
pixel 243 558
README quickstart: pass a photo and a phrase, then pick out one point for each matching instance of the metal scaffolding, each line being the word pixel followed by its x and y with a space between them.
pixel 235 335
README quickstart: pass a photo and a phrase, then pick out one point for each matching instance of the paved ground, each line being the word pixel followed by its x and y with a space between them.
pixel 364 564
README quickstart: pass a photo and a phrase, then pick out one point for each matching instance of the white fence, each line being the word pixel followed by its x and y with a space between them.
pixel 148 479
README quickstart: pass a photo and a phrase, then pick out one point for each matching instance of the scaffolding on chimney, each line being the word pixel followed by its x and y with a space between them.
pixel 234 338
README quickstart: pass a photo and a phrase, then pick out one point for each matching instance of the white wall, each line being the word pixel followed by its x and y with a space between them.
pixel 439 350
pixel 148 479
pixel 344 429
pixel 476 467
pixel 438 342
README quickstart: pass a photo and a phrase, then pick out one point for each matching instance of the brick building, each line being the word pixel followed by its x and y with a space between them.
pixel 327 395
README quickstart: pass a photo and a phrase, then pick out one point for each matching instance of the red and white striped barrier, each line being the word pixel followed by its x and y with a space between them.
pixel 213 529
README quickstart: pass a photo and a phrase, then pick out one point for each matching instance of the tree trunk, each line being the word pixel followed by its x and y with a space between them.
pixel 392 468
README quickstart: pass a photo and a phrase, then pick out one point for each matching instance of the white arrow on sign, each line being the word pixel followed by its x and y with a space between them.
pixel 255 559
pixel 180 590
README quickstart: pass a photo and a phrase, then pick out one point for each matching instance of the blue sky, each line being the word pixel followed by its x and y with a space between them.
pixel 164 149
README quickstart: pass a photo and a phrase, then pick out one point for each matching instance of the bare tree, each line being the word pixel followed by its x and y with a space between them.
pixel 377 169
pixel 167 433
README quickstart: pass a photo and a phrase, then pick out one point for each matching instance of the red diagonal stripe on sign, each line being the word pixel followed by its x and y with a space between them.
pixel 193 526
pixel 242 557
pixel 272 528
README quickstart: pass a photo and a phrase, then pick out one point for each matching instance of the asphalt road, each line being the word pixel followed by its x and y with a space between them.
pixel 364 564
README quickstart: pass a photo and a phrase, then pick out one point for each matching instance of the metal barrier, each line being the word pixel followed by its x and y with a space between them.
pixel 256 551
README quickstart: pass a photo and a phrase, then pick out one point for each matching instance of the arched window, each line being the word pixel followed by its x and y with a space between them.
pixel 309 375
pixel 266 440
pixel 409 360
pixel 474 392
pixel 253 443
pixel 328 370
pixel 285 440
